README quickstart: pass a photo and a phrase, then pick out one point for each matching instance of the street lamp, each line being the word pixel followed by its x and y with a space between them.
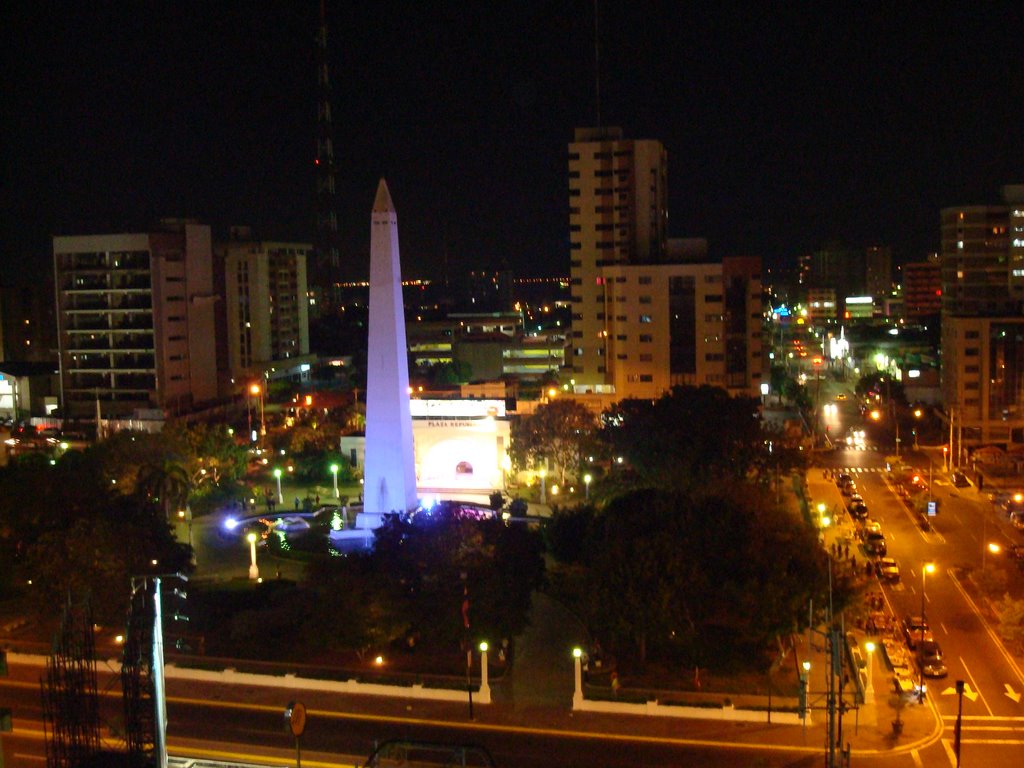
pixel 485 688
pixel 577 669
pixel 926 568
pixel 254 572
pixel 277 474
pixel 870 648
pixel 256 390
pixel 992 547
pixel 334 471
pixel 586 483
pixel 543 486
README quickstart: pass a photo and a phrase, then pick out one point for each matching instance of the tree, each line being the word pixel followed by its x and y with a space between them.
pixel 557 432
pixel 710 579
pixel 690 437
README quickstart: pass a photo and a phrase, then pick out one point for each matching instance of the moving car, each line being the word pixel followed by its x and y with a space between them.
pixel 931 659
pixel 874 544
pixel 915 630
pixel 888 570
pixel 841 396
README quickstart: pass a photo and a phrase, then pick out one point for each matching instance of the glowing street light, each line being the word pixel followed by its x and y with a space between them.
pixel 334 472
pixel 870 648
pixel 485 687
pixel 586 483
pixel 577 668
pixel 926 568
pixel 257 391
pixel 277 475
pixel 254 572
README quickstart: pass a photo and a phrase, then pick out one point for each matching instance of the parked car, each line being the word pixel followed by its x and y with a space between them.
pixel 850 489
pixel 960 480
pixel 859 511
pixel 872 526
pixel 888 570
pixel 1017 520
pixel 874 544
pixel 915 630
pixel 931 659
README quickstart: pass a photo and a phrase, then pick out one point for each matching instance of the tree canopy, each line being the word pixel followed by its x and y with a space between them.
pixel 557 432
pixel 709 580
pixel 689 437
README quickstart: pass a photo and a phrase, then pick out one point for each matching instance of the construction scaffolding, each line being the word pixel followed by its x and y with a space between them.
pixel 71 718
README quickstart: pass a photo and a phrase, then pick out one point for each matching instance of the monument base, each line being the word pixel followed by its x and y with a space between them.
pixel 369 521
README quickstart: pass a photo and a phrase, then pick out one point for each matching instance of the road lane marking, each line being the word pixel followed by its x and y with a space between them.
pixel 1012 694
pixel 976 688
pixel 992 635
pixel 948 748
pixel 944 630
pixel 916 758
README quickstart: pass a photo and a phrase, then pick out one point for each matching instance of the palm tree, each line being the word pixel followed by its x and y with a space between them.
pixel 167 484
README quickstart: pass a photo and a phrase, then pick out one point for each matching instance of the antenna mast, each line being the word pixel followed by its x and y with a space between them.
pixel 326 258
pixel 597 68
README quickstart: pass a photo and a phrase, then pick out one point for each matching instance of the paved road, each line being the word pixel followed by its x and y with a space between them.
pixel 993 707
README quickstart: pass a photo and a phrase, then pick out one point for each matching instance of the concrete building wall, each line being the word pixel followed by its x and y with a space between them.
pixel 135 320
pixel 617 215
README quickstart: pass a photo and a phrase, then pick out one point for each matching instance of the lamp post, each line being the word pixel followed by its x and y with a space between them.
pixel 577 666
pixel 926 568
pixel 277 475
pixel 586 484
pixel 806 677
pixel 254 572
pixel 257 391
pixel 870 648
pixel 992 547
pixel 334 472
pixel 543 486
pixel 484 693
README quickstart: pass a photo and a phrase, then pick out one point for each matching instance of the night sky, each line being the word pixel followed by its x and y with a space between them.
pixel 787 124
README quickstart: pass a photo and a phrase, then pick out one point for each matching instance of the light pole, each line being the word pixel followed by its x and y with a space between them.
pixel 870 648
pixel 257 390
pixel 586 484
pixel 543 486
pixel 484 693
pixel 334 472
pixel 926 568
pixel 277 475
pixel 577 667
pixel 254 572
pixel 992 547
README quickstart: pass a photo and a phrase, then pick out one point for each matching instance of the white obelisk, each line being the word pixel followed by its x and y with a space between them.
pixel 389 477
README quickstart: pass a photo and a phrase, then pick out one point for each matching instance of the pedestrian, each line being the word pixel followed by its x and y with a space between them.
pixel 297 503
pixel 318 499
pixel 615 684
pixel 846 551
pixel 868 569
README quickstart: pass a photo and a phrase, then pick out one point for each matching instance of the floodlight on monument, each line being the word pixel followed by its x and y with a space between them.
pixel 334 472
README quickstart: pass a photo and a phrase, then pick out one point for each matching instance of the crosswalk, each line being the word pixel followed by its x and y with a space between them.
pixel 859 470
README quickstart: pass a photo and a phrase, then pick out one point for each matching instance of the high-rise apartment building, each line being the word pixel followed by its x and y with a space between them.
pixel 135 321
pixel 922 289
pixel 975 261
pixel 982 268
pixel 266 312
pixel 617 217
pixel 878 271
pixel 684 324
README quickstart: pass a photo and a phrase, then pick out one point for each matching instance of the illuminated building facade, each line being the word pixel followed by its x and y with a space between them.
pixel 618 213
pixel 265 306
pixel 135 321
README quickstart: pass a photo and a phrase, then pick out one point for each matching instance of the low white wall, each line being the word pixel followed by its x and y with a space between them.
pixel 653 708
pixel 230 676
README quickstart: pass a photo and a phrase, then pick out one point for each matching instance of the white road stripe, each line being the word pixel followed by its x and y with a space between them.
pixel 976 688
